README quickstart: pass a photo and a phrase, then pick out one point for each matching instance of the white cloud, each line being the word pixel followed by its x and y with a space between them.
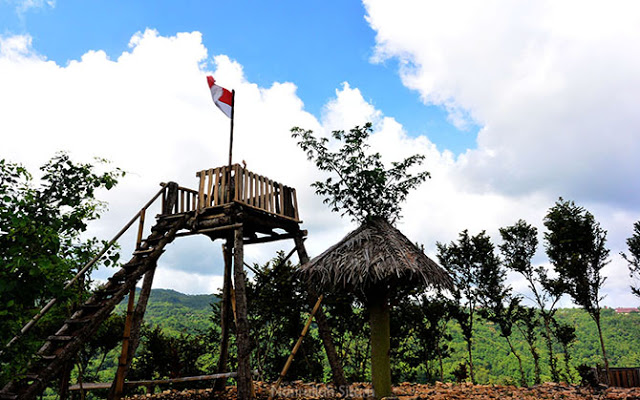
pixel 554 86
pixel 150 112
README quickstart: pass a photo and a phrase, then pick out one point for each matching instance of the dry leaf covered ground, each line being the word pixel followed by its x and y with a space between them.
pixel 409 391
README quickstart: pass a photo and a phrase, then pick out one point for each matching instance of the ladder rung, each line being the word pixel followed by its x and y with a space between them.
pixel 92 306
pixel 47 357
pixel 59 338
pixel 77 321
pixel 106 292
pixel 143 252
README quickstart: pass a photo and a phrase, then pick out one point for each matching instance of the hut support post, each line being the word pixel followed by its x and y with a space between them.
pixel 379 320
pixel 245 384
pixel 323 325
pixel 225 320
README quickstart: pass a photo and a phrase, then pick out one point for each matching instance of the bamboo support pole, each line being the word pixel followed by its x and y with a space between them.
pixel 287 365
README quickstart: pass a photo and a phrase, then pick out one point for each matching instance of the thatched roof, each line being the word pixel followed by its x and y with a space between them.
pixel 374 253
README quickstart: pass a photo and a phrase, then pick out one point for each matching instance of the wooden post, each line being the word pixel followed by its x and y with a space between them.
pixel 119 382
pixel 225 319
pixel 244 380
pixel 323 325
pixel 171 198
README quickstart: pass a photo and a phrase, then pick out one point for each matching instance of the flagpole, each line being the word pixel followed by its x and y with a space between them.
pixel 233 107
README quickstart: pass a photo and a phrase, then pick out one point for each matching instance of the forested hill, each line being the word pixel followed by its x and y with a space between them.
pixel 176 312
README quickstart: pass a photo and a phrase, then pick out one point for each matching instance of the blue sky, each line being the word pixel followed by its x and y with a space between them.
pixel 316 44
pixel 533 101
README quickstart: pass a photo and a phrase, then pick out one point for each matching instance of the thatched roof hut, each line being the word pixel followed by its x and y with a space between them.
pixel 375 253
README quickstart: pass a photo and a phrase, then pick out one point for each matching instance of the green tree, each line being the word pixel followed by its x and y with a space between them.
pixel 40 241
pixel 277 298
pixel 362 188
pixel 527 322
pixel 498 304
pixel 633 243
pixel 566 335
pixel 575 244
pixel 463 260
pixel 519 245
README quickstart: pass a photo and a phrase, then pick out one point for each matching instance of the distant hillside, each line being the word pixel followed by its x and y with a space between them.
pixel 177 312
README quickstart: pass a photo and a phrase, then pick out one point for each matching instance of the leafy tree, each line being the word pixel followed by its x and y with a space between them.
pixel 527 322
pixel 566 335
pixel 350 329
pixel 364 188
pixel 277 299
pixel 575 244
pixel 463 261
pixel 419 335
pixel 498 304
pixel 519 245
pixel 437 312
pixel 40 242
pixel 633 243
pixel 365 191
pixel 163 356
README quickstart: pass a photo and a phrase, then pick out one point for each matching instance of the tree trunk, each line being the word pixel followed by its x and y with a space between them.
pixel 324 331
pixel 470 345
pixel 596 318
pixel 242 329
pixel 552 359
pixel 225 318
pixel 567 364
pixel 523 378
pixel 379 320
pixel 439 351
pixel 471 374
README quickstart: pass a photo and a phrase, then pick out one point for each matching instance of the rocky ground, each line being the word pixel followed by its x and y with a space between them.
pixel 409 391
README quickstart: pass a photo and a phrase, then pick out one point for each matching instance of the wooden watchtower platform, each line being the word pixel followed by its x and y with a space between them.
pixel 229 196
pixel 230 203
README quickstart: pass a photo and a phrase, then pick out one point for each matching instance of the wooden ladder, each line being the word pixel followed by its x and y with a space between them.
pixel 61 347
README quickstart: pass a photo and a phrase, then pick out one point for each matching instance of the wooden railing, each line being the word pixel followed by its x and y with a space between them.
pixel 220 186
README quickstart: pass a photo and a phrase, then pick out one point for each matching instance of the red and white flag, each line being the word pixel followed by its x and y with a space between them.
pixel 221 96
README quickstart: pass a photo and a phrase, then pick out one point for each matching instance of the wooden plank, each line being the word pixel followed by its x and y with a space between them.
pixel 281 199
pixel 263 195
pixel 238 181
pixel 210 188
pixel 223 186
pixel 258 191
pixel 295 204
pixel 214 182
pixel 267 194
pixel 104 385
pixel 245 184
pixel 202 176
pixel 272 204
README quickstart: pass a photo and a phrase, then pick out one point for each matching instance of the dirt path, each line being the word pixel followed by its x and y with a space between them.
pixel 410 391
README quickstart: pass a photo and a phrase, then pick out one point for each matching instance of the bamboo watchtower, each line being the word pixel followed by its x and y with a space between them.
pixel 232 204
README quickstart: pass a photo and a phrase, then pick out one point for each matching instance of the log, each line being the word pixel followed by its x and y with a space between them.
pixel 245 384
